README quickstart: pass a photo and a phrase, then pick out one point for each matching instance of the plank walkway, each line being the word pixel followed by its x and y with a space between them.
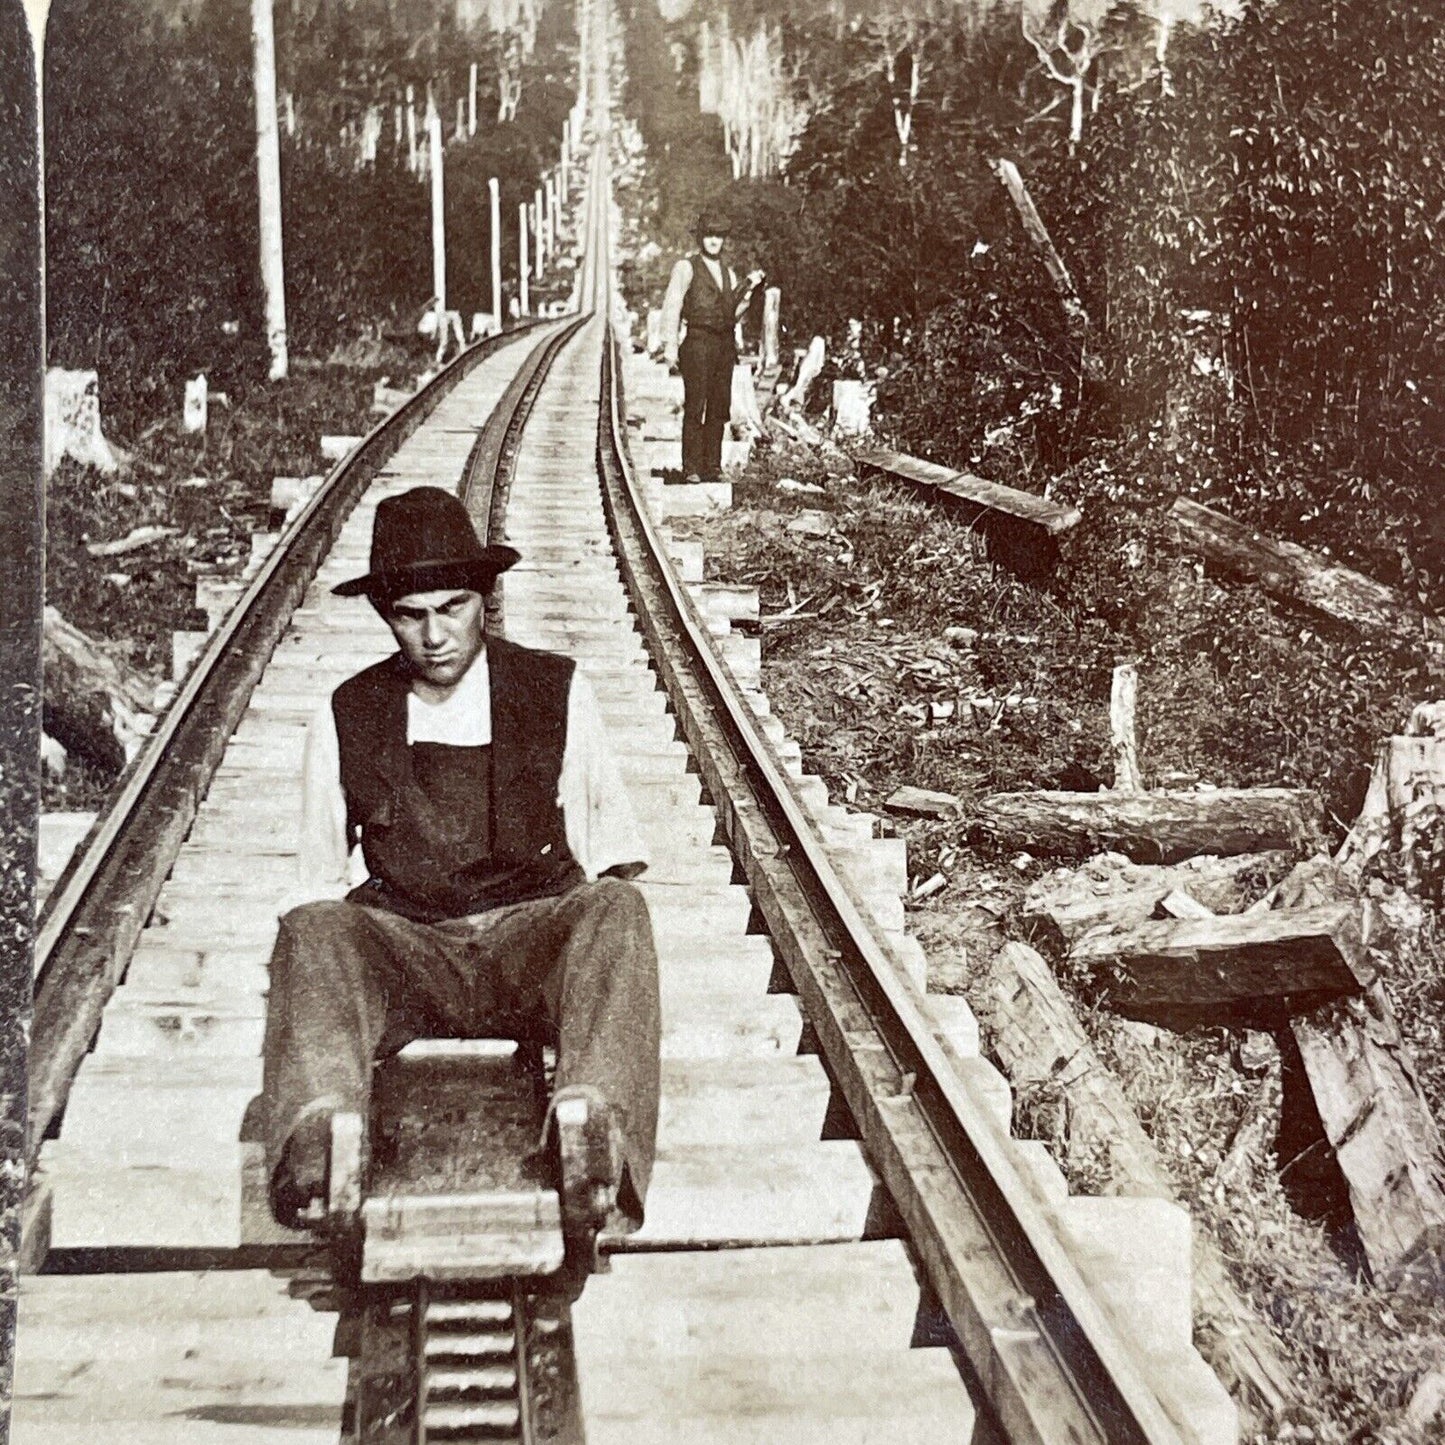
pixel 741 1342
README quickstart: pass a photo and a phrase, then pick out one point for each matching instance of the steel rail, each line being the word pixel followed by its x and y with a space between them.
pixel 1048 1359
pixel 101 902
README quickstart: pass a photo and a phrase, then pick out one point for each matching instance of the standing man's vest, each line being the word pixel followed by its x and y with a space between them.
pixel 448 831
pixel 708 307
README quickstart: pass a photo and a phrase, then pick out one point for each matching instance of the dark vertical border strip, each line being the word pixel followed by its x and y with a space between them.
pixel 22 536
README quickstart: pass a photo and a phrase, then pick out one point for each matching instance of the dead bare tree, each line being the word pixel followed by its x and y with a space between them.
pixel 1068 36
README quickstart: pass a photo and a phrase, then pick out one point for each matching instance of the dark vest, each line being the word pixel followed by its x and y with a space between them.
pixel 428 857
pixel 706 307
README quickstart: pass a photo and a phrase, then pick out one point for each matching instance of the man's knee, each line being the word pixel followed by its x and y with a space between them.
pixel 324 918
pixel 616 901
pixel 321 926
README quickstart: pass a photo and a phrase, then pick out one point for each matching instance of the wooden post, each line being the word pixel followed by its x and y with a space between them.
pixel 289 105
pixel 438 219
pixel 461 118
pixel 22 530
pixel 772 314
pixel 1122 735
pixel 494 196
pixel 566 157
pixel 472 100
pixel 537 230
pixel 523 299
pixel 268 179
pixel 549 211
pixel 411 129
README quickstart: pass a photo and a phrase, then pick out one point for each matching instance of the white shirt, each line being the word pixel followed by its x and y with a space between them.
pixel 601 827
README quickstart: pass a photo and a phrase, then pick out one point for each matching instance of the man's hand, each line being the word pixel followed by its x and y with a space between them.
pixel 670 357
pixel 755 279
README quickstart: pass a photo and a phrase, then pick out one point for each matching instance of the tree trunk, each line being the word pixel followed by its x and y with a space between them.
pixel 94 704
pixel 438 220
pixel 1297 575
pixel 268 174
pixel 1038 1039
pixel 1160 827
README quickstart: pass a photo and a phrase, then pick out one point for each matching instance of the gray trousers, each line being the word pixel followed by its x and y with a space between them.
pixel 343 975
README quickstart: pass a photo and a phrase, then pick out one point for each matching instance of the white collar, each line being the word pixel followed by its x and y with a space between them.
pixel 463 718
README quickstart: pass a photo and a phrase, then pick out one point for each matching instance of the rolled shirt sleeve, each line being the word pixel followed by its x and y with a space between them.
pixel 322 855
pixel 602 829
pixel 677 286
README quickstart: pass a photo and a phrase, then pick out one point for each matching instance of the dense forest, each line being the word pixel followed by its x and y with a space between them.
pixel 1247 204
pixel 152 224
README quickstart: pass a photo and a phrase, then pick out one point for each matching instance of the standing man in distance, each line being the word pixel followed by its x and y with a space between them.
pixel 704 295
pixel 498 838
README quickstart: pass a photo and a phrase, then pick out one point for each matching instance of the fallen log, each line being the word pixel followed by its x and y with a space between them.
pixel 977 495
pixel 1160 827
pixel 1113 891
pixel 1037 232
pixel 1037 1038
pixel 1374 1114
pixel 1166 965
pixel 1295 574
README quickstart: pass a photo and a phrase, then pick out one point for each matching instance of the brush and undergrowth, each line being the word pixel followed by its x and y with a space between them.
pixel 895 653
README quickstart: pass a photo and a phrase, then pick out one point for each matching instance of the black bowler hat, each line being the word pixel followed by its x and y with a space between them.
pixel 713 222
pixel 423 541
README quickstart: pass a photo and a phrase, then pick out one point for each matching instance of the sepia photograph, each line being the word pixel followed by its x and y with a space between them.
pixel 722 722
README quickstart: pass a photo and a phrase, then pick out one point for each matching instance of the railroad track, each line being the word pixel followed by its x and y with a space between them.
pixel 834 1184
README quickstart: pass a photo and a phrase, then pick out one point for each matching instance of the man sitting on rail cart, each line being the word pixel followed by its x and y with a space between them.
pixel 498 836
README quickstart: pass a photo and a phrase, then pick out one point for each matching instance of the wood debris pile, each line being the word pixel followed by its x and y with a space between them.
pixel 1258 929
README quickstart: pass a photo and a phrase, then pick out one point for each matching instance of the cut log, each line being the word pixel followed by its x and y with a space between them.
pixel 1373 1111
pixel 1113 891
pixel 1160 827
pixel 1194 964
pixel 1123 735
pixel 1295 574
pixel 1038 1039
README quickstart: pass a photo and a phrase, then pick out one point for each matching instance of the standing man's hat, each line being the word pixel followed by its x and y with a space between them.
pixel 713 222
pixel 423 541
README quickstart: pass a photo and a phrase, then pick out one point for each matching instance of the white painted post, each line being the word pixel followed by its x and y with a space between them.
pixel 438 216
pixel 772 313
pixel 472 101
pixel 551 215
pixel 537 229
pixel 524 301
pixel 494 194
pixel 411 129
pixel 289 105
pixel 396 117
pixel 268 179
pixel 461 118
